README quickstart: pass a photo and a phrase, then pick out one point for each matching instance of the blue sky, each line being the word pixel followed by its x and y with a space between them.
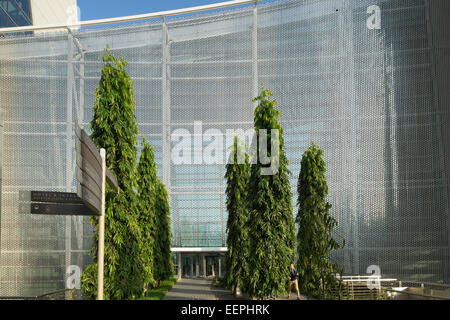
pixel 100 9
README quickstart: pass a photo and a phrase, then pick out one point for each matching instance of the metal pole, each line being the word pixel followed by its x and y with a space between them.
pixel 81 100
pixel 255 88
pixel 101 229
pixel 69 173
pixel 166 104
pixel 79 225
pixel 69 111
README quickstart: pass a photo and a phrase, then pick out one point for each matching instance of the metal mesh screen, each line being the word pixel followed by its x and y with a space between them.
pixel 376 100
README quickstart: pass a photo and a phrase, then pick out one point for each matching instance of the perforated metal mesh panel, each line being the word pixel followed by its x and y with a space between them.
pixel 376 100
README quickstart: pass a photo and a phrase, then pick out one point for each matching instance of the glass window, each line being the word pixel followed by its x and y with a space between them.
pixel 15 13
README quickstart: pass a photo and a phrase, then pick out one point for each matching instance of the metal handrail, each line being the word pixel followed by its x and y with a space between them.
pixel 428 284
pixel 356 278
pixel 35 297
pixel 369 278
pixel 417 294
pixel 145 16
pixel 362 278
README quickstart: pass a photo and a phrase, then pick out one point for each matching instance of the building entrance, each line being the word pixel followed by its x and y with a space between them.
pixel 199 265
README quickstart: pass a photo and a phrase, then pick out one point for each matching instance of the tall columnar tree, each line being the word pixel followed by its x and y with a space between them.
pixel 314 238
pixel 237 175
pixel 114 128
pixel 163 265
pixel 271 222
pixel 148 179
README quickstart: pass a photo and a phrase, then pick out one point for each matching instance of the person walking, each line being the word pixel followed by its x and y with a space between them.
pixel 293 280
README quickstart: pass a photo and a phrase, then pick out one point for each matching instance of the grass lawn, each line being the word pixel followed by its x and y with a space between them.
pixel 161 291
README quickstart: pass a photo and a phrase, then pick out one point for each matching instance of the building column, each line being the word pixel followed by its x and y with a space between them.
pixel 197 266
pixel 204 265
pixel 220 267
pixel 348 101
pixel 179 266
pixel 436 18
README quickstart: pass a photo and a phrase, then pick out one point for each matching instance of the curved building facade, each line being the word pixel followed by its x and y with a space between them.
pixel 367 80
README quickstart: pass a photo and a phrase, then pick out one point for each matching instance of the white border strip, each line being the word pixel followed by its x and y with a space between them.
pixel 160 14
pixel 200 249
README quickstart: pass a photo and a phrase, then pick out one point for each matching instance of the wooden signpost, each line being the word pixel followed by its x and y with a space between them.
pixel 92 176
pixel 90 171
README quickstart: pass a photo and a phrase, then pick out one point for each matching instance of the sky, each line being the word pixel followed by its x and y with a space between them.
pixel 101 9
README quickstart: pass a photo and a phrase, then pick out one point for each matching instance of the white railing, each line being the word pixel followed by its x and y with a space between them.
pixel 154 15
pixel 365 278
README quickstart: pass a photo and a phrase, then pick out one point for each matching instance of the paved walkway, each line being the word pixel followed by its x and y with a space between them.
pixel 197 289
pixel 203 289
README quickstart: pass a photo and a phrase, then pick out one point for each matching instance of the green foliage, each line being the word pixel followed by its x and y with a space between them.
pixel 114 125
pixel 314 237
pixel 147 180
pixel 160 291
pixel 122 256
pixel 163 266
pixel 154 218
pixel 271 222
pixel 137 225
pixel 236 258
pixel 219 282
pixel 89 280
pixel 114 128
